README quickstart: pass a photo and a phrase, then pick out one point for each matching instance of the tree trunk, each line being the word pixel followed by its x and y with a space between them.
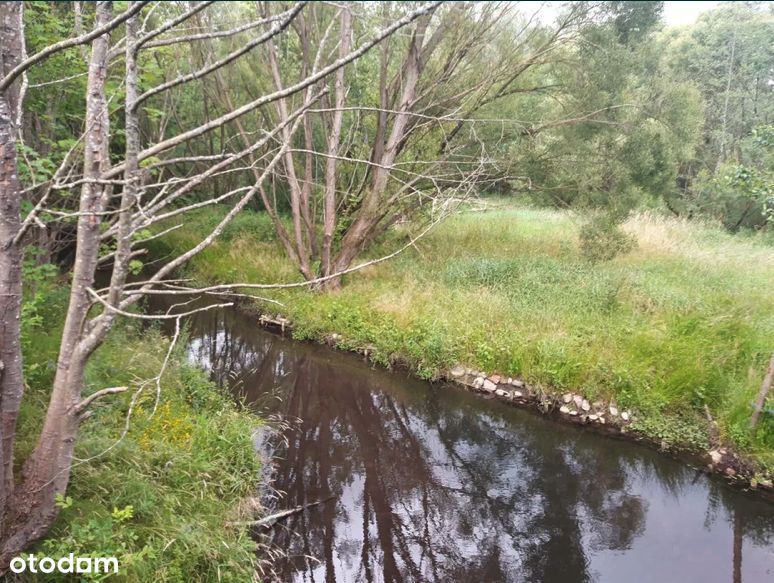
pixel 302 235
pixel 32 507
pixel 370 214
pixel 11 379
pixel 334 138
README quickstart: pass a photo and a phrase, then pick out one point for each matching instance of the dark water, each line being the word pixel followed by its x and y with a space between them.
pixel 435 484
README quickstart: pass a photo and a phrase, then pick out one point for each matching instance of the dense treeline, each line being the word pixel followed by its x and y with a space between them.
pixel 603 108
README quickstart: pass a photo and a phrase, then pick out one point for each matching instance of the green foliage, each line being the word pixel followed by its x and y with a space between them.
pixel 690 434
pixel 642 126
pixel 601 239
pixel 159 499
pixel 633 20
pixel 727 56
pixel 42 307
pixel 741 195
pixel 110 533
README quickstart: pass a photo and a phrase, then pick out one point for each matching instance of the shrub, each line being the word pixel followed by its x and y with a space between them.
pixel 602 240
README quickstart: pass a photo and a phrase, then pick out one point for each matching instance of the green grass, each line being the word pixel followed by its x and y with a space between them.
pixel 683 321
pixel 160 500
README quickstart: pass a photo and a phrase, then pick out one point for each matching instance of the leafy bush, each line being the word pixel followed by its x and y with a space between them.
pixel 602 239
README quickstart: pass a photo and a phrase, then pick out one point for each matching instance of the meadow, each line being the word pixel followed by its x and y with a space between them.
pixel 681 325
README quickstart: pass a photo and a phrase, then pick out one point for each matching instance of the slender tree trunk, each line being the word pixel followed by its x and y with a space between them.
pixel 306 187
pixel 129 195
pixel 300 227
pixel 271 208
pixel 47 470
pixel 11 378
pixel 78 16
pixel 724 119
pixel 334 139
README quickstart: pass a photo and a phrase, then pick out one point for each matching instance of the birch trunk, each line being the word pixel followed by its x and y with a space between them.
pixel 334 139
pixel 11 379
pixel 32 507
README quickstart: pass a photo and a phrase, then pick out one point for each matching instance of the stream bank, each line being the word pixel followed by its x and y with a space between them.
pixel 427 482
pixel 678 332
pixel 570 407
pixel 159 497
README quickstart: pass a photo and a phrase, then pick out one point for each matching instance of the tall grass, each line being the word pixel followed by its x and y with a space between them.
pixel 684 321
pixel 161 498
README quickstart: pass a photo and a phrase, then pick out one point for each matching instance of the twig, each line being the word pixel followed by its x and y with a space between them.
pixel 269 521
pixel 80 407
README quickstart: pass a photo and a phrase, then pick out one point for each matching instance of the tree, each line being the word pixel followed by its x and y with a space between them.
pixel 727 55
pixel 631 128
pixel 118 172
pixel 399 137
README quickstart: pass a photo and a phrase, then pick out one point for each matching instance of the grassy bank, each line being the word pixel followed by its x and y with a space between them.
pixel 160 499
pixel 683 321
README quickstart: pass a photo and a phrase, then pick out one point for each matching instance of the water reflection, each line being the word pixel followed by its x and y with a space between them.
pixel 434 484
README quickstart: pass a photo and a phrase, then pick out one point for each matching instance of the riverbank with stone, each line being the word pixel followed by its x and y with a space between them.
pixel 569 407
pixel 677 332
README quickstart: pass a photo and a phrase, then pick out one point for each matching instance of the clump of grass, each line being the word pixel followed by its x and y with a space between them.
pixel 161 498
pixel 681 322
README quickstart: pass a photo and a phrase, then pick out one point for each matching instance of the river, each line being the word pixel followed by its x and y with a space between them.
pixel 432 483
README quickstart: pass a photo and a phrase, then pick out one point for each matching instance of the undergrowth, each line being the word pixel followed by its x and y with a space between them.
pixel 160 500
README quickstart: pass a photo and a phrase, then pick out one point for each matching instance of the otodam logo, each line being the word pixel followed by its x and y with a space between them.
pixel 68 564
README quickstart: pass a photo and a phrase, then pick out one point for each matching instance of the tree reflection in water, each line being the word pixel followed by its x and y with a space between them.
pixel 433 484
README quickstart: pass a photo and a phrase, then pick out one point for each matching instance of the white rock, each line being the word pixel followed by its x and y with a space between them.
pixel 517 394
pixel 625 416
pixel 564 409
pixel 593 417
pixel 517 383
pixel 715 456
pixel 585 405
pixel 613 411
pixel 567 397
pixel 501 393
pixel 457 371
pixel 509 381
pixel 573 413
pixel 578 400
pixel 478 382
pixel 602 420
pixel 488 385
